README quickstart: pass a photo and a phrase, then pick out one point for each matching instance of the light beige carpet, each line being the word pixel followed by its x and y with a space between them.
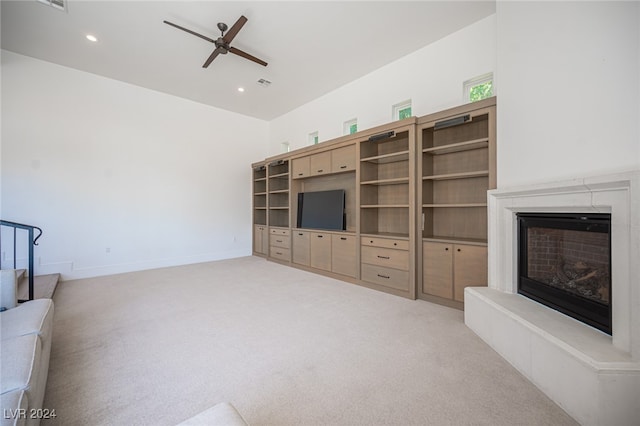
pixel 284 346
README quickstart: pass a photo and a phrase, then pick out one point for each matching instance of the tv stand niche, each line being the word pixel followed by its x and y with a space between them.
pixel 415 204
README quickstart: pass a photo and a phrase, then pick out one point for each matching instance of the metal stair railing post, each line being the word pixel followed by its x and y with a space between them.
pixel 32 242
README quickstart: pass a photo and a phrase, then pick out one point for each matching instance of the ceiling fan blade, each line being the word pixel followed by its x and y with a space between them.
pixel 190 32
pixel 213 55
pixel 235 29
pixel 247 56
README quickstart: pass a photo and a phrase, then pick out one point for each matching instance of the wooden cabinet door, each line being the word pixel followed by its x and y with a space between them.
pixel 320 250
pixel 320 163
pixel 343 159
pixel 260 239
pixel 437 269
pixel 343 255
pixel 469 268
pixel 301 254
pixel 300 168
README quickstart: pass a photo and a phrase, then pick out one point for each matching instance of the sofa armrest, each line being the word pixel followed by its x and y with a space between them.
pixel 8 289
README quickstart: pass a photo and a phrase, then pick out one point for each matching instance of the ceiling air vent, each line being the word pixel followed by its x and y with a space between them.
pixel 264 83
pixel 56 4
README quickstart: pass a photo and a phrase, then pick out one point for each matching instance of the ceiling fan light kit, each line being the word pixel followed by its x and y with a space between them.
pixel 223 43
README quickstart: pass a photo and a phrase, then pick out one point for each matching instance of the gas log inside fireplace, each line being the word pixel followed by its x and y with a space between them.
pixel 564 262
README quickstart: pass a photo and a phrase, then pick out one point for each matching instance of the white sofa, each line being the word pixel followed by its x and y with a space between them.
pixel 25 338
pixel 221 414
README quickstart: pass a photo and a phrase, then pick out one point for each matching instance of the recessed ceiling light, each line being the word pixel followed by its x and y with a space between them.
pixel 91 38
pixel 240 89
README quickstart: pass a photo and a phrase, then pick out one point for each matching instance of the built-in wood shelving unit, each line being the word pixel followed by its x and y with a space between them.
pixel 415 204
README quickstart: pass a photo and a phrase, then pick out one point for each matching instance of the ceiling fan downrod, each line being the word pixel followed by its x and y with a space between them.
pixel 222 27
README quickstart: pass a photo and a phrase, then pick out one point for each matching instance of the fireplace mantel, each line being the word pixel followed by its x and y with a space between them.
pixel 593 376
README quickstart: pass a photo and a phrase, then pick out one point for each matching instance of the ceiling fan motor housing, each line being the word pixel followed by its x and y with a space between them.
pixel 222 45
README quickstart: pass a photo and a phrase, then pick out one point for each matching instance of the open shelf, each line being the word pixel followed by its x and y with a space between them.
pixel 385 185
pixel 281 175
pixel 396 144
pixel 260 210
pixel 394 181
pixel 458 147
pixel 458 205
pixel 455 221
pixel 378 219
pixel 278 193
pixel 260 216
pixel 459 175
pixel 387 158
pixel 446 239
pixel 394 235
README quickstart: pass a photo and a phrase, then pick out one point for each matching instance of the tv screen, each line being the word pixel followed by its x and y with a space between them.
pixel 321 210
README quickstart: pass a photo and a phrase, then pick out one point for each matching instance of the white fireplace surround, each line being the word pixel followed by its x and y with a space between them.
pixel 593 376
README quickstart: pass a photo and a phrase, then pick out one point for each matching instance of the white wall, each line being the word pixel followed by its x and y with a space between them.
pixel 431 77
pixel 569 90
pixel 101 164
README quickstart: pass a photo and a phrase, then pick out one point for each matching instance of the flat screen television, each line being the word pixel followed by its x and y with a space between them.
pixel 322 210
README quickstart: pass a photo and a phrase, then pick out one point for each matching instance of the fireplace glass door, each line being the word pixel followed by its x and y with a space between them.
pixel 564 262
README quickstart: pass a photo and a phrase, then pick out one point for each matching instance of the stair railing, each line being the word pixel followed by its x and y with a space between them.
pixel 31 242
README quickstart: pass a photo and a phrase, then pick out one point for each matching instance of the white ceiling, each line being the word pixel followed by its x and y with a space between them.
pixel 312 47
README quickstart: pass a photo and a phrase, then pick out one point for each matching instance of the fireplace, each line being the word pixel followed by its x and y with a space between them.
pixel 594 376
pixel 564 262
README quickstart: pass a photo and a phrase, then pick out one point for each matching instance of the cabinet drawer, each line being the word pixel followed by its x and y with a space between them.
pixel 390 258
pixel 280 241
pixel 343 159
pixel 343 255
pixel 393 278
pixel 276 231
pixel 385 242
pixel 280 253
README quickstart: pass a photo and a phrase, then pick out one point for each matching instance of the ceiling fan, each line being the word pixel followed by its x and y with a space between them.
pixel 222 42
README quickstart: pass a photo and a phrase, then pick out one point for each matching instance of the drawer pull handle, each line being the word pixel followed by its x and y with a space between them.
pixel 383 257
pixel 300 233
pixel 320 170
pixel 459 249
pixel 446 249
pixel 319 236
pixel 278 253
pixel 343 167
pixel 278 241
pixel 383 276
pixel 343 238
pixel 300 174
